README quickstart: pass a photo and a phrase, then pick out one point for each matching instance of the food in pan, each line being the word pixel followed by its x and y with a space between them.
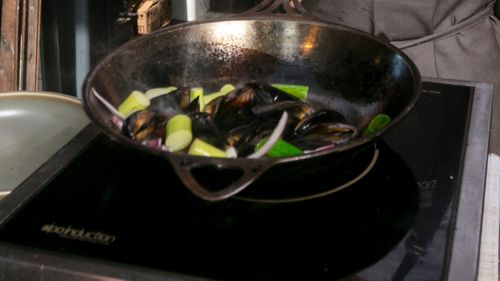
pixel 252 120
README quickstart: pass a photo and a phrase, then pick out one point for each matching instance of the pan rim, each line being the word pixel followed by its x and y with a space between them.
pixel 358 142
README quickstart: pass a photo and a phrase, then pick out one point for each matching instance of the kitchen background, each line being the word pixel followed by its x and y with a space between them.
pixel 75 34
pixel 54 43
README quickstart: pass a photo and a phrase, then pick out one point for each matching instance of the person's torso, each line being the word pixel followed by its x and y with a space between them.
pixel 396 19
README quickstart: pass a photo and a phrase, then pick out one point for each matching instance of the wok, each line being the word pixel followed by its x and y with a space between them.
pixel 347 70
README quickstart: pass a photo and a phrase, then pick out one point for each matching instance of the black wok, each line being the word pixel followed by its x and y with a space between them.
pixel 346 69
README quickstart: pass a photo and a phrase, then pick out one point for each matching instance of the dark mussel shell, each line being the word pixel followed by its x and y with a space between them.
pixel 204 128
pixel 165 105
pixel 240 98
pixel 296 109
pixel 141 125
pixel 250 135
pixel 182 96
pixel 297 112
pixel 212 107
pixel 323 134
pixel 241 135
pixel 319 117
pixel 172 103
pixel 193 106
pixel 234 109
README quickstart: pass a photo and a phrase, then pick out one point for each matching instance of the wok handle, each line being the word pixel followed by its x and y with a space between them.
pixel 185 165
pixel 269 6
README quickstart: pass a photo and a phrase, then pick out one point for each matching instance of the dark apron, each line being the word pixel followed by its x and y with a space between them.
pixel 446 39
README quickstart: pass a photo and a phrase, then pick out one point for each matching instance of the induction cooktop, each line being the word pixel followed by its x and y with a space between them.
pixel 97 210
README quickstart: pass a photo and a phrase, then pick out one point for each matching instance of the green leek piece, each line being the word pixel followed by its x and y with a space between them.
pixel 211 97
pixel 201 148
pixel 280 149
pixel 156 92
pixel 226 89
pixel 179 134
pixel 299 91
pixel 197 92
pixel 378 122
pixel 134 102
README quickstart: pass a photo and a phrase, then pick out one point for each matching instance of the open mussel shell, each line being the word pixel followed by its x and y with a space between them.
pixel 234 109
pixel 165 105
pixel 182 97
pixel 297 110
pixel 241 98
pixel 245 138
pixel 242 105
pixel 212 107
pixel 324 134
pixel 319 117
pixel 204 128
pixel 141 125
pixel 172 103
pixel 240 135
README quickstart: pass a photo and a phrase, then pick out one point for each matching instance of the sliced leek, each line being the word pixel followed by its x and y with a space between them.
pixel 280 149
pixel 156 92
pixel 134 102
pixel 299 91
pixel 179 133
pixel 224 90
pixel 377 123
pixel 201 148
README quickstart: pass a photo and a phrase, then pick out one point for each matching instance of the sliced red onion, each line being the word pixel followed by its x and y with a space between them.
pixel 117 122
pixel 153 143
pixel 108 105
pixel 277 132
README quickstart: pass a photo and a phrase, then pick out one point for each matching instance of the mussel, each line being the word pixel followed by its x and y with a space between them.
pixel 204 128
pixel 212 107
pixel 244 138
pixel 298 111
pixel 318 117
pixel 242 134
pixel 322 134
pixel 240 119
pixel 172 103
pixel 256 101
pixel 241 137
pixel 234 109
pixel 141 125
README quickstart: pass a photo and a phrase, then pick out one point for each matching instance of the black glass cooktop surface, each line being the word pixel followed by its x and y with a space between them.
pixel 127 207
pixel 130 207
